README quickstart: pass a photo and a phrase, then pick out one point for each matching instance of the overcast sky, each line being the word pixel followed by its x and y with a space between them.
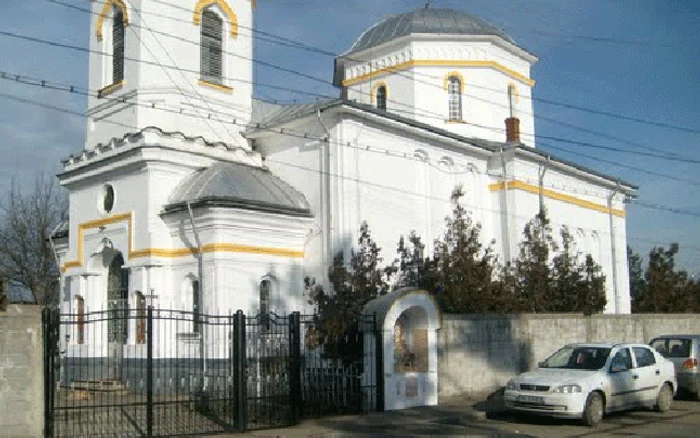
pixel 633 58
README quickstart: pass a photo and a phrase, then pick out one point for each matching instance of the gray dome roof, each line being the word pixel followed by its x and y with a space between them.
pixel 425 20
pixel 238 186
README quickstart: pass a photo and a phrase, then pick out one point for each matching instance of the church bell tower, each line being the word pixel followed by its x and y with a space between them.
pixel 182 66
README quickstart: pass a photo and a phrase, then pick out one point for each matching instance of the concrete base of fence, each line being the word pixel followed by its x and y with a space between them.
pixel 21 372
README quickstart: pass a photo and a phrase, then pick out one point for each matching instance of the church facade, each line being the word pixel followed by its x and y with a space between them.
pixel 190 194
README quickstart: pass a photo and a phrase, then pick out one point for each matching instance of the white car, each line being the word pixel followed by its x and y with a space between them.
pixel 585 381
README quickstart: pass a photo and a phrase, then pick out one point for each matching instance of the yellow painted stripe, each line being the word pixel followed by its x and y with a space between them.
pixel 170 253
pixel 530 188
pixel 441 63
pixel 224 88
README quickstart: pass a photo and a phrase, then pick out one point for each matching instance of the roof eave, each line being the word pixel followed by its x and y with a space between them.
pixel 221 202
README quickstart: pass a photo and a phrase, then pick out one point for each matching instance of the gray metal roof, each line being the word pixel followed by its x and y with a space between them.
pixel 267 113
pixel 237 185
pixel 425 20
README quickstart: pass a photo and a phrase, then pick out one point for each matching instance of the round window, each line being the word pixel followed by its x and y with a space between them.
pixel 107 198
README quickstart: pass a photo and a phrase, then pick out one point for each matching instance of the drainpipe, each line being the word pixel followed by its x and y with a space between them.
pixel 55 255
pixel 506 238
pixel 200 295
pixel 616 293
pixel 327 248
pixel 542 171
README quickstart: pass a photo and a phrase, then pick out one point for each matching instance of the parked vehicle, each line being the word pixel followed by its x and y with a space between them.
pixel 586 381
pixel 684 352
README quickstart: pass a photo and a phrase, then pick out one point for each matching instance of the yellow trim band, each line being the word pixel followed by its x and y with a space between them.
pixel 169 253
pixel 530 188
pixel 109 89
pixel 459 76
pixel 219 87
pixel 442 63
pixel 109 4
pixel 225 8
pixel 375 87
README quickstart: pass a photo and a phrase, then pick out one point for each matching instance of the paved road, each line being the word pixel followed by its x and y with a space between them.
pixel 467 418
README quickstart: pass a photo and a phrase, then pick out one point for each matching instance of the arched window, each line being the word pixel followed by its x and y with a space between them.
pixel 265 287
pixel 381 98
pixel 196 311
pixel 118 46
pixel 454 92
pixel 140 318
pixel 80 311
pixel 212 47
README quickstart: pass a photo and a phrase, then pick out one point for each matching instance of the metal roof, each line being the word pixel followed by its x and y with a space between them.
pixel 236 185
pixel 426 21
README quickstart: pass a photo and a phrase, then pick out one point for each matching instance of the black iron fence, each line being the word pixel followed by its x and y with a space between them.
pixel 176 373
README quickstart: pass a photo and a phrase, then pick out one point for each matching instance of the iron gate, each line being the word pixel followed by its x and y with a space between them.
pixel 184 373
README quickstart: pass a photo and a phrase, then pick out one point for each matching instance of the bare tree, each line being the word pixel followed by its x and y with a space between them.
pixel 28 218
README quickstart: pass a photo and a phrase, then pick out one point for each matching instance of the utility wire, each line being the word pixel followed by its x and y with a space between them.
pixel 357 180
pixel 319 50
pixel 360 147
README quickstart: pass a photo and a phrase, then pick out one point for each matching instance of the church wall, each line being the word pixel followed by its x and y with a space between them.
pixel 406 189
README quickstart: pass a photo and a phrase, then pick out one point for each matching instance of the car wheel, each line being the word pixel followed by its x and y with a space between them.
pixel 593 412
pixel 664 398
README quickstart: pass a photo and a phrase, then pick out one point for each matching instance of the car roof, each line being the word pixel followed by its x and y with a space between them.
pixel 607 345
pixel 686 336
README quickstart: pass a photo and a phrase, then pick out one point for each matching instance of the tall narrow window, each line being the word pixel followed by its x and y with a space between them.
pixel 265 287
pixel 381 98
pixel 140 318
pixel 80 334
pixel 118 46
pixel 196 311
pixel 454 91
pixel 211 49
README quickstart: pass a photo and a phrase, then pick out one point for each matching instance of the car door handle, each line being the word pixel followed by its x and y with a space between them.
pixel 658 372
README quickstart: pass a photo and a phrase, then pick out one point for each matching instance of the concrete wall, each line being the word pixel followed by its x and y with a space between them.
pixel 477 354
pixel 21 372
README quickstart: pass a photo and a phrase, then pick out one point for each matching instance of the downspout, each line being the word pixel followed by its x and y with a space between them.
pixel 55 255
pixel 541 173
pixel 506 237
pixel 613 249
pixel 327 248
pixel 200 295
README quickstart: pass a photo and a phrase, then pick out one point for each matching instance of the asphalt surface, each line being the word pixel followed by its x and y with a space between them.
pixel 487 417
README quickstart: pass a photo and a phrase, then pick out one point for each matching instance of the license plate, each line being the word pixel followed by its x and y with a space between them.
pixel 531 399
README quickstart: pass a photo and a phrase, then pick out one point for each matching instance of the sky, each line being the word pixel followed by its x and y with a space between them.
pixel 633 58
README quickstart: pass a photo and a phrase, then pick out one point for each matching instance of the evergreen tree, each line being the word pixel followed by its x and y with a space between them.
pixel 463 268
pixel 667 289
pixel 638 285
pixel 533 274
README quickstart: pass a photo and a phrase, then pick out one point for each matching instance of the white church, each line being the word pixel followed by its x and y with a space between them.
pixel 190 194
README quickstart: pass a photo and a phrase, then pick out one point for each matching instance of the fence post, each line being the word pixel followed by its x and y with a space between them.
pixel 295 366
pixel 46 321
pixel 379 363
pixel 240 372
pixel 149 372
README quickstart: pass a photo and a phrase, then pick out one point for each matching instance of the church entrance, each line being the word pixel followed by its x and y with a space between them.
pixel 117 307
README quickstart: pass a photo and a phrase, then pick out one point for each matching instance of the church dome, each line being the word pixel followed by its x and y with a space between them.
pixel 237 185
pixel 425 21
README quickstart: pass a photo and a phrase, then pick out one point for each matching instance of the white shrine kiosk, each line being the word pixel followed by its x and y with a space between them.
pixel 408 319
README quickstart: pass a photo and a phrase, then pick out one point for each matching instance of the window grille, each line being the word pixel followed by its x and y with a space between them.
pixel 196 311
pixel 381 98
pixel 211 48
pixel 80 336
pixel 140 318
pixel 118 47
pixel 454 91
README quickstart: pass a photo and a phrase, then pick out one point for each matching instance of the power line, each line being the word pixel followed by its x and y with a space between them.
pixel 658 154
pixel 357 180
pixel 360 147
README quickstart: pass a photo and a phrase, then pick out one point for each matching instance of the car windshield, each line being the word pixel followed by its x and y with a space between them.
pixel 578 358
